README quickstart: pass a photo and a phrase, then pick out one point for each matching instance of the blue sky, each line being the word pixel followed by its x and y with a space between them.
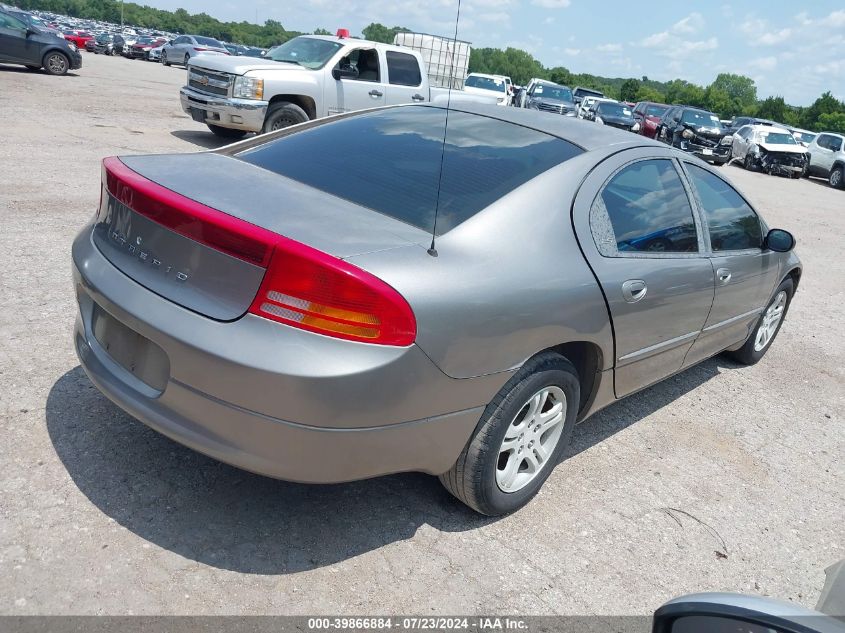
pixel 793 49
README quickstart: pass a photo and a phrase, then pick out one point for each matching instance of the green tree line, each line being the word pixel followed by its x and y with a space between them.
pixel 729 95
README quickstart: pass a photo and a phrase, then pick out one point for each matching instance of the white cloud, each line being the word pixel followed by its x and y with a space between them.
pixel 764 63
pixel 690 24
pixel 773 37
pixel 549 20
pixel 609 48
pixel 494 16
pixel 653 41
pixel 572 52
pixel 551 4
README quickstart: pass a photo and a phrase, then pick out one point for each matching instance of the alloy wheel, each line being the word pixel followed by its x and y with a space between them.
pixel 771 318
pixel 57 64
pixel 531 438
pixel 836 178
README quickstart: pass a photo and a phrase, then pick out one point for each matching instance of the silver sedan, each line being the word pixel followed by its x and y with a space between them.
pixel 361 295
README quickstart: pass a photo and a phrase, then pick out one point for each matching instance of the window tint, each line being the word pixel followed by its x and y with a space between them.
pixel 9 22
pixel 365 61
pixel 389 161
pixel 403 69
pixel 207 41
pixel 648 210
pixel 733 225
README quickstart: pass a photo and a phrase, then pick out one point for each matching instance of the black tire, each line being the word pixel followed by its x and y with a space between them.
pixel 836 178
pixel 164 58
pixel 748 162
pixel 224 132
pixel 747 354
pixel 472 479
pixel 281 115
pixel 185 61
pixel 56 63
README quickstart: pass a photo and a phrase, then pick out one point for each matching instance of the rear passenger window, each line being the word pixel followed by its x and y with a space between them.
pixel 733 225
pixel 644 209
pixel 403 69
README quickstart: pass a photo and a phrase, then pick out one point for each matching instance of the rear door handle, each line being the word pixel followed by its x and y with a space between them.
pixel 634 290
pixel 723 275
pixel 376 93
pixel 418 97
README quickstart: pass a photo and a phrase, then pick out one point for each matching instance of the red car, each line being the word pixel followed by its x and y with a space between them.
pixel 141 48
pixel 648 115
pixel 79 38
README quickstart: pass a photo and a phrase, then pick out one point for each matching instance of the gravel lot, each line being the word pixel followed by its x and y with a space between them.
pixel 721 478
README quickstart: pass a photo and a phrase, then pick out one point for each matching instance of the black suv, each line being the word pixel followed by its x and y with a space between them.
pixel 696 131
pixel 35 48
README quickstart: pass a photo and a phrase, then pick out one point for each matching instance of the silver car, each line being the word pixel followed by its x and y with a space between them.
pixel 325 303
pixel 184 47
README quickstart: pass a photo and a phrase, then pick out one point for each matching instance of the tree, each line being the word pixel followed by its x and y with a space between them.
pixel 773 108
pixel 831 122
pixel 376 32
pixel 740 89
pixel 647 93
pixel 686 93
pixel 322 32
pixel 560 75
pixel 825 104
pixel 629 90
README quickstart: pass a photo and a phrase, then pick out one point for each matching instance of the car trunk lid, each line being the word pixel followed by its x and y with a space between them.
pixel 199 229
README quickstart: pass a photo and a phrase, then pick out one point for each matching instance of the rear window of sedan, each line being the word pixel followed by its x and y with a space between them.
pixel 207 41
pixel 390 161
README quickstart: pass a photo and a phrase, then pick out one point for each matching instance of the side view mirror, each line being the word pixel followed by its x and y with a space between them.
pixel 344 72
pixel 737 613
pixel 779 241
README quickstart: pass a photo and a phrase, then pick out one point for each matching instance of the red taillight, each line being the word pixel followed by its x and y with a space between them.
pixel 314 291
pixel 199 49
pixel 303 287
pixel 187 217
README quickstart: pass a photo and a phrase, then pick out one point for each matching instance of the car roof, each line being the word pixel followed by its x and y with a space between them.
pixel 585 134
pixel 767 128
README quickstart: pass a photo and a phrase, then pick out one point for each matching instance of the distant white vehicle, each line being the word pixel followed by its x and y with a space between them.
pixel 487 85
pixel 771 149
pixel 587 102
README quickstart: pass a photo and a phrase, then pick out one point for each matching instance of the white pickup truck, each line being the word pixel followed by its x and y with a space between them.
pixel 308 77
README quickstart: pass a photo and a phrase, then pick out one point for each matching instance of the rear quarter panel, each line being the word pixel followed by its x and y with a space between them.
pixel 506 284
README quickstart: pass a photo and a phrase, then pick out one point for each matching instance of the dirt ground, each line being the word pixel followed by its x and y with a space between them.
pixel 721 478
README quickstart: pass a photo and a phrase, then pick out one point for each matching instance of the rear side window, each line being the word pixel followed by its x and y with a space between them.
pixel 644 208
pixel 403 69
pixel 733 225
pixel 390 161
pixel 10 22
pixel 207 41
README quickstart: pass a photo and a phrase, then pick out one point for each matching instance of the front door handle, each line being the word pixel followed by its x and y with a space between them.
pixel 418 97
pixel 634 290
pixel 376 93
pixel 723 275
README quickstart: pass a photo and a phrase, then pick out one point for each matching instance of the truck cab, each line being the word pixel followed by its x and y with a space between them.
pixel 308 77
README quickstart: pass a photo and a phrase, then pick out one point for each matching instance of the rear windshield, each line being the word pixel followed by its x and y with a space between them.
pixel 208 41
pixel 485 83
pixel 613 109
pixel 390 161
pixel 656 110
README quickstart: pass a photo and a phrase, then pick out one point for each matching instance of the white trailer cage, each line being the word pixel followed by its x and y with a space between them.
pixel 446 59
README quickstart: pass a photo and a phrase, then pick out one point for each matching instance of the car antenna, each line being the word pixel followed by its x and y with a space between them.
pixel 431 250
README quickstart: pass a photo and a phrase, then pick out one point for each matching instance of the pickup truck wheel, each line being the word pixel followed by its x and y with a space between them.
pixel 282 115
pixel 519 438
pixel 768 326
pixel 225 132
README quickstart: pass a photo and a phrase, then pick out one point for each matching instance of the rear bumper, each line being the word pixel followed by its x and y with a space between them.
pixel 237 114
pixel 272 399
